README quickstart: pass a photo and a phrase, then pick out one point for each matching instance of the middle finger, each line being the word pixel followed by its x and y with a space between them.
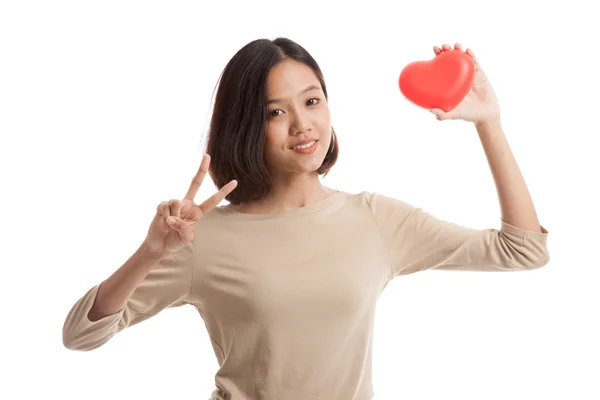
pixel 198 178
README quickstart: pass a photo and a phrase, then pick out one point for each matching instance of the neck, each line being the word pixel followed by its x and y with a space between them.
pixel 288 195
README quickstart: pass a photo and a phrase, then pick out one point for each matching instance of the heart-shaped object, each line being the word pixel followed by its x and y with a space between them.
pixel 441 82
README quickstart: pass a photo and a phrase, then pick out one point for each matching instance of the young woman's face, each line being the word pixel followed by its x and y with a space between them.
pixel 299 112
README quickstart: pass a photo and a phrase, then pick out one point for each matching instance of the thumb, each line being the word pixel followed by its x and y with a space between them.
pixel 439 114
pixel 175 223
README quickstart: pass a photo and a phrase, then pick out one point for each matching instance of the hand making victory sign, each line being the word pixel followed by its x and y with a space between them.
pixel 480 104
pixel 174 222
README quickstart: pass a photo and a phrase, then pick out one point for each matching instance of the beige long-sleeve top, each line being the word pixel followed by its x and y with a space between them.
pixel 289 299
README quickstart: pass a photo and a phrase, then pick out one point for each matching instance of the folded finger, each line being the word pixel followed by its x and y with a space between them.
pixel 163 209
pixel 175 208
pixel 166 212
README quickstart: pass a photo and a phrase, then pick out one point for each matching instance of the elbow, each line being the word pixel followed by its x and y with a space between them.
pixel 71 335
pixel 68 335
pixel 530 260
pixel 71 341
pixel 70 344
pixel 82 339
pixel 523 249
pixel 83 331
pixel 521 254
pixel 536 254
pixel 80 344
pixel 540 261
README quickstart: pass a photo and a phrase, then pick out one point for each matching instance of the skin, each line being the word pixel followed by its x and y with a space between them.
pixel 295 116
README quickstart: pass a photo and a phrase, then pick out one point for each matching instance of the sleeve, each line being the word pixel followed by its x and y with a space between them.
pixel 167 285
pixel 419 241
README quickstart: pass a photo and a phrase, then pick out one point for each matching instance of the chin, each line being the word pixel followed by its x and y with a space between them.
pixel 314 165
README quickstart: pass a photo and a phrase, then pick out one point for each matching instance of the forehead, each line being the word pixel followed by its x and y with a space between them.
pixel 288 78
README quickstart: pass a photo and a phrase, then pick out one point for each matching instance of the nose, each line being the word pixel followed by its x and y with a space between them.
pixel 301 123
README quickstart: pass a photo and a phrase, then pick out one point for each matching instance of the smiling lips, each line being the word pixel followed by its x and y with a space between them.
pixel 303 142
pixel 306 148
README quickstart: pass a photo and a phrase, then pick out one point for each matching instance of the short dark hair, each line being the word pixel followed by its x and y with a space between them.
pixel 236 136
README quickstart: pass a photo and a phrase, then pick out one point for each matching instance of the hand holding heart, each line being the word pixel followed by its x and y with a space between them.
pixel 451 86
pixel 480 104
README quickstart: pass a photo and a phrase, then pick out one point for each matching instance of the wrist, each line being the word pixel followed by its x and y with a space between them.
pixel 150 254
pixel 488 123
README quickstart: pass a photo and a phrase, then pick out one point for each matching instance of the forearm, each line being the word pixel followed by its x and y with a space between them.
pixel 116 290
pixel 515 201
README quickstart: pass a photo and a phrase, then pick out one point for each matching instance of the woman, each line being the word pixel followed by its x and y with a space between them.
pixel 287 275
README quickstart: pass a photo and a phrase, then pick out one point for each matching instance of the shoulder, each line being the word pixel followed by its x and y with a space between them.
pixel 385 205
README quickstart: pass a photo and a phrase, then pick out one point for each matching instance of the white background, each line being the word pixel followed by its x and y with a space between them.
pixel 103 111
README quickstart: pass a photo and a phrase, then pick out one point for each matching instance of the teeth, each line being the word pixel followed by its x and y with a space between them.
pixel 305 146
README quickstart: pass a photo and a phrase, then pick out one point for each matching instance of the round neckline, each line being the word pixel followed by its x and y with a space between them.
pixel 319 205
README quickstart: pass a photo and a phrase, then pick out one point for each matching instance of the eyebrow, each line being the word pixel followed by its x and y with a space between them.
pixel 308 89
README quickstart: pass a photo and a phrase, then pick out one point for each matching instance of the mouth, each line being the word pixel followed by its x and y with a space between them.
pixel 305 146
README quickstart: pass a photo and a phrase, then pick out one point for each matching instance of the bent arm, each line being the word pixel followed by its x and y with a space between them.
pixel 114 292
pixel 146 284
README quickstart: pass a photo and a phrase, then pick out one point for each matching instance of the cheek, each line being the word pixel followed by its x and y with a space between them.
pixel 323 118
pixel 276 137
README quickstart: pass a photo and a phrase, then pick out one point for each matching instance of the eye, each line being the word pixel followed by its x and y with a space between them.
pixel 274 114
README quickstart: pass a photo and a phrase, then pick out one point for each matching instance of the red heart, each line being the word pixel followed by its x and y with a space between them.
pixel 441 82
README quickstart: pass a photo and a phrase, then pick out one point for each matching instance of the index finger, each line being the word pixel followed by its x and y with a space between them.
pixel 216 198
pixel 198 178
